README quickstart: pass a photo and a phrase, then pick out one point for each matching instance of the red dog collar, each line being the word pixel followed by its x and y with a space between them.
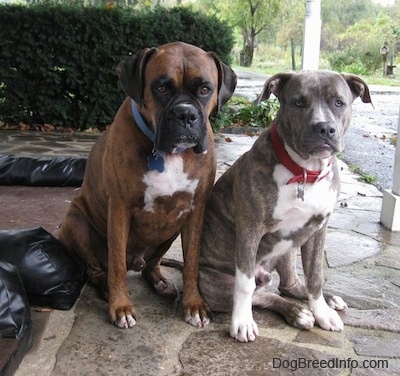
pixel 301 175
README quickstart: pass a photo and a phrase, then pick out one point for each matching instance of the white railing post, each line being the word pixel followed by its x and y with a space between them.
pixel 390 213
pixel 312 35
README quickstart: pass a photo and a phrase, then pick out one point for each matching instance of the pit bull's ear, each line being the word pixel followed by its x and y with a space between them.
pixel 227 80
pixel 274 86
pixel 358 87
pixel 131 73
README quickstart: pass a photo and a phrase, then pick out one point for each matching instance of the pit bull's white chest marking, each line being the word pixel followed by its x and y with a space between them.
pixel 172 179
pixel 292 213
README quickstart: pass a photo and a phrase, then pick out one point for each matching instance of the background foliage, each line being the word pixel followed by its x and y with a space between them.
pixel 57 63
pixel 352 30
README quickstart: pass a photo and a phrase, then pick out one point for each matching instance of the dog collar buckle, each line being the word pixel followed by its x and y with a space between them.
pixel 300 187
pixel 155 161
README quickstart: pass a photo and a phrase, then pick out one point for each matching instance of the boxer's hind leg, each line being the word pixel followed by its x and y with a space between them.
pixel 152 272
pixel 79 237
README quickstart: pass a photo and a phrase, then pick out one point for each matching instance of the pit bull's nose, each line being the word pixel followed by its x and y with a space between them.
pixel 324 129
pixel 186 114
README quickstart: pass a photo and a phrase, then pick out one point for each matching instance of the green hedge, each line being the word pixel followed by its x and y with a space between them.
pixel 57 63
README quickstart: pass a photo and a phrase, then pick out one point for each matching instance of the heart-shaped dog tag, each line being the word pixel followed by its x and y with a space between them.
pixel 155 163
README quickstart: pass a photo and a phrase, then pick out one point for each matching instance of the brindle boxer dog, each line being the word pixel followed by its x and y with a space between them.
pixel 276 199
pixel 147 177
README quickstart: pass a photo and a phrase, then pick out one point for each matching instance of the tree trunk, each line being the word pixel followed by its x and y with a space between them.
pixel 246 55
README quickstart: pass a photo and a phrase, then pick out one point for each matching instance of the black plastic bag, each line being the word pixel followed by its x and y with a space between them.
pixel 15 314
pixel 52 276
pixel 15 320
pixel 42 171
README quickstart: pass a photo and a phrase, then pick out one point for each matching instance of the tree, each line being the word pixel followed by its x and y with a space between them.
pixel 251 17
pixel 290 23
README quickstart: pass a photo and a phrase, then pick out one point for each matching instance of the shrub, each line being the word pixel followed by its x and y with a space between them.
pixel 246 114
pixel 363 60
pixel 57 63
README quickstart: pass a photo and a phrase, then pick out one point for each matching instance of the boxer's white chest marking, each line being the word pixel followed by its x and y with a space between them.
pixel 172 179
pixel 292 213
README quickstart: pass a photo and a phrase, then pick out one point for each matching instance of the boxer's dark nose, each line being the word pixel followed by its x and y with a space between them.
pixel 186 114
pixel 324 129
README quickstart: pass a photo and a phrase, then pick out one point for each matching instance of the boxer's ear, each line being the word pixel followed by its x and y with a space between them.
pixel 131 73
pixel 358 87
pixel 227 80
pixel 274 86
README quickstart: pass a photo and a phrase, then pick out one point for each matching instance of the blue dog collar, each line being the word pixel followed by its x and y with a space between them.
pixel 141 122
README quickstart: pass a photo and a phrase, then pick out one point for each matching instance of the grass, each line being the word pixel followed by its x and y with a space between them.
pixel 366 178
pixel 370 179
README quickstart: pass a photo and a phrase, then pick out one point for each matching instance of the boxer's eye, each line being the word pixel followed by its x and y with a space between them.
pixel 162 89
pixel 204 90
pixel 339 103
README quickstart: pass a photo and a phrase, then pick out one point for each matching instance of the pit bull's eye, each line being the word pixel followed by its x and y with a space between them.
pixel 299 103
pixel 339 103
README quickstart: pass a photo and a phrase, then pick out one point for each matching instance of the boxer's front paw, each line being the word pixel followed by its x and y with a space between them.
pixel 244 331
pixel 123 317
pixel 337 303
pixel 197 318
pixel 196 312
pixel 125 322
pixel 326 317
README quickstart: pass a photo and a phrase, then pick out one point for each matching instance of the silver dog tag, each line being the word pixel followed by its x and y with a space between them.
pixel 300 191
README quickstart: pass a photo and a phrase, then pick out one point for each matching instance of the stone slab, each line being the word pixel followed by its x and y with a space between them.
pixel 384 346
pixel 345 248
pixel 364 286
pixel 318 336
pixel 214 353
pixel 379 319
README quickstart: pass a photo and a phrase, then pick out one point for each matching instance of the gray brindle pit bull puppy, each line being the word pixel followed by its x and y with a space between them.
pixel 276 199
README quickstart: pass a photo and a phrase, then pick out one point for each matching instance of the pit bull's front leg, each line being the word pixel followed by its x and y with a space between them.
pixel 312 255
pixel 243 326
pixel 120 308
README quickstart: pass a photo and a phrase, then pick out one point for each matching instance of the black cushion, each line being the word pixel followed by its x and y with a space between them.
pixel 15 314
pixel 15 320
pixel 51 275
pixel 42 171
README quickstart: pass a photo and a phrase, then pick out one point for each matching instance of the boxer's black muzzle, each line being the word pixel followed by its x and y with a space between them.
pixel 182 126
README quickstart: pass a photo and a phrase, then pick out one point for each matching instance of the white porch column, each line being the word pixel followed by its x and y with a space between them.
pixel 312 35
pixel 390 213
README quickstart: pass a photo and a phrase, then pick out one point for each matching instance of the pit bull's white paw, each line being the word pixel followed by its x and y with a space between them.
pixel 197 321
pixel 243 327
pixel 125 322
pixel 326 317
pixel 244 331
pixel 304 320
pixel 337 303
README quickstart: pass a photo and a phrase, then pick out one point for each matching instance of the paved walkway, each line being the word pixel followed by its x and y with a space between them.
pixel 362 265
